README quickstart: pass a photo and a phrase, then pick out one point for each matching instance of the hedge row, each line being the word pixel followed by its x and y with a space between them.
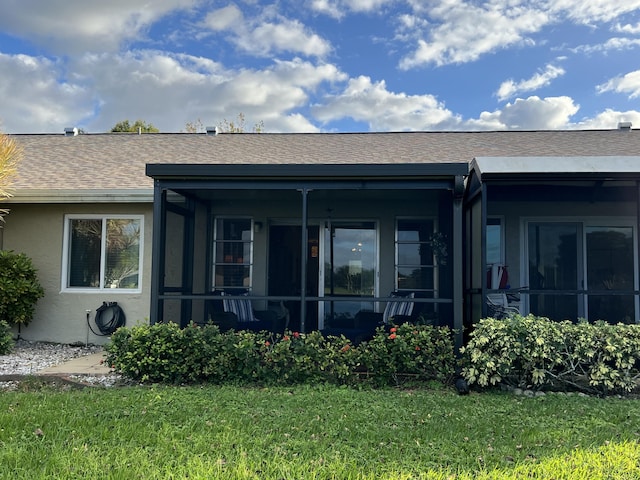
pixel 527 352
pixel 538 353
pixel 166 353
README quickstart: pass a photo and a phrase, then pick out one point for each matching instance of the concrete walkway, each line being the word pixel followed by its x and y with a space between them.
pixel 87 365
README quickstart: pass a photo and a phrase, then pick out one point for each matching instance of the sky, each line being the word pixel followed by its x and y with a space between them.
pixel 319 65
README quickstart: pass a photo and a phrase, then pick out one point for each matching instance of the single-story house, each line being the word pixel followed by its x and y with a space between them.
pixel 324 229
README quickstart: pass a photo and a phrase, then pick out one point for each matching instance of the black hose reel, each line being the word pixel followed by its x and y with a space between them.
pixel 109 317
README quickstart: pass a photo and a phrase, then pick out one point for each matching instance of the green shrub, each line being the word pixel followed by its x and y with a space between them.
pixel 308 358
pixel 168 354
pixel 157 353
pixel 535 352
pixel 407 351
pixel 19 288
pixel 6 338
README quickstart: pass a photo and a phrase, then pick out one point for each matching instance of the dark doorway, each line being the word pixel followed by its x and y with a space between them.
pixel 285 260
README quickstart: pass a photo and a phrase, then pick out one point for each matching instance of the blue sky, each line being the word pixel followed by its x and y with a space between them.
pixel 319 65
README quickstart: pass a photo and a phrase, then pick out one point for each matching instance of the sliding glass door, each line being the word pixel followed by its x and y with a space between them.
pixel 554 266
pixel 587 267
pixel 610 269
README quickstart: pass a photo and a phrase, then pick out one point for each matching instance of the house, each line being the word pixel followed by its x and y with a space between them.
pixel 328 227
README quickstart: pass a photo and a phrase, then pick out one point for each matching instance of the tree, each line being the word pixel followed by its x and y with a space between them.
pixel 238 126
pixel 195 127
pixel 140 126
pixel 10 156
pixel 226 126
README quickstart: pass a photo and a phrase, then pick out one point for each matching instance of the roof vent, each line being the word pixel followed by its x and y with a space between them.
pixel 624 125
pixel 212 130
pixel 71 132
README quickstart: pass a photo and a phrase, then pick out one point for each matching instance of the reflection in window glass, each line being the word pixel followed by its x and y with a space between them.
pixel 494 241
pixel 107 245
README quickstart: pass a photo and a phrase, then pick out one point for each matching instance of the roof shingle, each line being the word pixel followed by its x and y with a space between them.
pixel 117 161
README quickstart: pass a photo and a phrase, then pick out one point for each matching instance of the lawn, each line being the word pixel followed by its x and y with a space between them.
pixel 314 432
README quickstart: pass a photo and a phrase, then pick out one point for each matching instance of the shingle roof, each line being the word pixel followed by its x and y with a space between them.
pixel 116 162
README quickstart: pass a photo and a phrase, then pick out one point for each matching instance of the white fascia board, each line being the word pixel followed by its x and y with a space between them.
pixel 524 165
pixel 81 196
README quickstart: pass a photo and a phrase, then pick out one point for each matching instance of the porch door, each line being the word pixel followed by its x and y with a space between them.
pixel 554 265
pixel 285 260
pixel 350 259
pixel 582 256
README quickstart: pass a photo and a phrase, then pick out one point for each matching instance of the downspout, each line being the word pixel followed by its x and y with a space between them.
pixel 303 262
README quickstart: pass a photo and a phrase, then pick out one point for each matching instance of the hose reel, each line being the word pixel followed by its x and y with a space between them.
pixel 109 317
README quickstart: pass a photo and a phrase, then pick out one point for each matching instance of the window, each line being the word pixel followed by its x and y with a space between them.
pixel 102 252
pixel 232 252
pixel 415 255
pixel 495 253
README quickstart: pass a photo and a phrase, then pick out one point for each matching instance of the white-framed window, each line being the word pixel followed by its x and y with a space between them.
pixel 233 252
pixel 102 252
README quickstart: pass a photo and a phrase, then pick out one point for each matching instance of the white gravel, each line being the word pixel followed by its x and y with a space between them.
pixel 28 358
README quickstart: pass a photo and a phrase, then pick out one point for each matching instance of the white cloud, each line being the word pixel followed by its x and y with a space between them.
pixel 629 84
pixel 533 113
pixel 171 90
pixel 229 17
pixel 511 88
pixel 339 8
pixel 35 98
pixel 267 33
pixel 609 119
pixel 369 102
pixel 72 26
pixel 612 44
pixel 628 28
pixel 463 32
pixel 591 11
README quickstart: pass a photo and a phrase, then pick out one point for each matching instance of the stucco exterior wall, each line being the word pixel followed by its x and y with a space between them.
pixel 61 317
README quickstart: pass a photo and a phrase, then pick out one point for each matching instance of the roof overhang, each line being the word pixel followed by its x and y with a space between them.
pixel 327 172
pixel 556 168
pixel 81 196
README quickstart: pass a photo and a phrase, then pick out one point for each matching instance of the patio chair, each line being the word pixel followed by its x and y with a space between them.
pixel 499 307
pixel 363 326
pixel 235 312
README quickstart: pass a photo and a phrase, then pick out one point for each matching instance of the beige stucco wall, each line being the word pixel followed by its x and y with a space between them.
pixel 37 230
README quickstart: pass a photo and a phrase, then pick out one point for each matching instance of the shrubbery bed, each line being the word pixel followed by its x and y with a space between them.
pixel 166 353
pixel 538 353
pixel 527 352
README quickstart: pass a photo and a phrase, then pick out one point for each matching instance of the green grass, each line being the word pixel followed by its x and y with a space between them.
pixel 314 433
